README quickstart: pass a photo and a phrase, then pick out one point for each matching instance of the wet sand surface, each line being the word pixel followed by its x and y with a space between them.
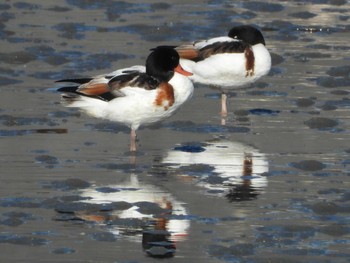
pixel 271 185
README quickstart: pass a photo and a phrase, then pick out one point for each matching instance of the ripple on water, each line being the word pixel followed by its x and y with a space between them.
pixel 263 6
pixel 188 126
pixel 234 253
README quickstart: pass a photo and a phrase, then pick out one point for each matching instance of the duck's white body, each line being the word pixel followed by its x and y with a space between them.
pixel 233 164
pixel 137 194
pixel 228 70
pixel 227 62
pixel 133 96
pixel 137 106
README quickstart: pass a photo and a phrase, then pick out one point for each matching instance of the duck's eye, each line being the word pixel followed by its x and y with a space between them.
pixel 235 37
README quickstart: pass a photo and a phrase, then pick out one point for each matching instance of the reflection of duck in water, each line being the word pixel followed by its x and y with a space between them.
pixel 224 168
pixel 138 208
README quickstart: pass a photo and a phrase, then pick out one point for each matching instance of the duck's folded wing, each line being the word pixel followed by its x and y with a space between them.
pixel 188 52
pixel 123 71
pixel 92 87
pixel 197 54
pixel 134 79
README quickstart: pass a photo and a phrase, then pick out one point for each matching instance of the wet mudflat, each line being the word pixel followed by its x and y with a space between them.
pixel 271 185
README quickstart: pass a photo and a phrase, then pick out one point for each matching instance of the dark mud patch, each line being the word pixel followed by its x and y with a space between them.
pixel 47 161
pixel 11 133
pixel 17 239
pixel 68 185
pixel 307 56
pixel 340 92
pixel 63 251
pixel 335 230
pixel 327 208
pixel 321 123
pixel 305 102
pixel 303 15
pixel 65 114
pixel 73 30
pixel 263 112
pixel 341 71
pixel 8 120
pixel 17 58
pixel 8 81
pixel 16 218
pixel 333 82
pixel 328 107
pixel 334 104
pixel 309 165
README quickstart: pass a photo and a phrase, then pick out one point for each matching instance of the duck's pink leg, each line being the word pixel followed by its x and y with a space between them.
pixel 223 105
pixel 133 140
pixel 223 108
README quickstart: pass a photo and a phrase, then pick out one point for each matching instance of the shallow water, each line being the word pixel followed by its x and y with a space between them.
pixel 270 185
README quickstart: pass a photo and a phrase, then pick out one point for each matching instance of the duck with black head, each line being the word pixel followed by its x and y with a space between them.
pixel 227 62
pixel 133 96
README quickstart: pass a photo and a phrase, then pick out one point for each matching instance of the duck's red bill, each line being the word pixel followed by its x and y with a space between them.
pixel 180 70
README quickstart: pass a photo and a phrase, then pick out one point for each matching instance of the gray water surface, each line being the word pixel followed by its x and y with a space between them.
pixel 272 185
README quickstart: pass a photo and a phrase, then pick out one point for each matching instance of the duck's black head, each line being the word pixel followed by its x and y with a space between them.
pixel 161 63
pixel 248 34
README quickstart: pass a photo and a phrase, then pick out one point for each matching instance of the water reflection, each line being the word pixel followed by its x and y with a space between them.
pixel 137 208
pixel 221 167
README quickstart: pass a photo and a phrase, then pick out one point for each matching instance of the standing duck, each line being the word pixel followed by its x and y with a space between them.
pixel 227 62
pixel 133 96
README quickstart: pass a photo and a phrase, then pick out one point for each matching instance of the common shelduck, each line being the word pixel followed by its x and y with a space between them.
pixel 227 62
pixel 222 168
pixel 136 196
pixel 133 96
